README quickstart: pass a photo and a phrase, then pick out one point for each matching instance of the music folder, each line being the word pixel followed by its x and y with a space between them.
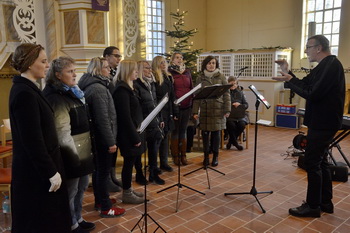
pixel 153 114
pixel 212 92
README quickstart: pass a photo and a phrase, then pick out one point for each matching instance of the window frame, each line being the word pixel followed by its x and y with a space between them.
pixel 318 14
pixel 155 27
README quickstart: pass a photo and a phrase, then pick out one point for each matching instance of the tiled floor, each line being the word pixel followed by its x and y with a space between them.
pixel 214 212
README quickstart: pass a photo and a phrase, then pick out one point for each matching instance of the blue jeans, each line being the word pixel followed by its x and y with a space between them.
pixel 76 188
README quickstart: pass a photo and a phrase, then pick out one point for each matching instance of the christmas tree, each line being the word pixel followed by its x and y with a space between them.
pixel 182 44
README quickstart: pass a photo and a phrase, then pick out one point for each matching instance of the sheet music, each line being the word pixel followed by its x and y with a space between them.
pixel 179 100
pixel 153 114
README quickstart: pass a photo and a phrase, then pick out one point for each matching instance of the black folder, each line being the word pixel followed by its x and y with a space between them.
pixel 212 92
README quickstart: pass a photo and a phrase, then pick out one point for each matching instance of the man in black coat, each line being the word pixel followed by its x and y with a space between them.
pixel 324 91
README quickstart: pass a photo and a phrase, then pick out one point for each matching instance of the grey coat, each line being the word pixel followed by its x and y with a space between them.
pixel 102 110
pixel 211 111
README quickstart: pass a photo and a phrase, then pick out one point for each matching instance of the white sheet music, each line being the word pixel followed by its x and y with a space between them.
pixel 153 114
pixel 179 100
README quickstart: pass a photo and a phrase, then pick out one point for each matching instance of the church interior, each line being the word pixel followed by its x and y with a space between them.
pixel 249 34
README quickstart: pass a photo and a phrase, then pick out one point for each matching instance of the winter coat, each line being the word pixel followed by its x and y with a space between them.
pixel 211 111
pixel 72 125
pixel 148 100
pixel 169 110
pixel 130 117
pixel 182 85
pixel 238 113
pixel 102 111
pixel 36 158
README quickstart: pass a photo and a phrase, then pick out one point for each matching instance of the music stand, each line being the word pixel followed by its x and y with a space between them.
pixel 140 130
pixel 253 191
pixel 210 92
pixel 178 184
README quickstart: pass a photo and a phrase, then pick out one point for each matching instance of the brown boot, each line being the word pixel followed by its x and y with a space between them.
pixel 183 152
pixel 174 148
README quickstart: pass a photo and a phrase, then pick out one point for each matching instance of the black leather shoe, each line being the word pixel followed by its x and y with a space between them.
pixel 327 208
pixel 305 211
pixel 166 167
pixel 228 146
pixel 206 161
pixel 88 226
pixel 215 162
pixel 156 179
pixel 141 179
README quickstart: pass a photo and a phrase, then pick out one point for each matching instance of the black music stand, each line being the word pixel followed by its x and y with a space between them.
pixel 253 191
pixel 178 184
pixel 210 92
pixel 140 130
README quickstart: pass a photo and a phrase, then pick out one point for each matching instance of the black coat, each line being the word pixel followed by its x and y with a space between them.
pixel 169 110
pixel 148 100
pixel 73 129
pixel 36 158
pixel 130 117
pixel 324 91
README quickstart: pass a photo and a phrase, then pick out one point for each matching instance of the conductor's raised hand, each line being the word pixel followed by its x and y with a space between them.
pixel 285 77
pixel 283 65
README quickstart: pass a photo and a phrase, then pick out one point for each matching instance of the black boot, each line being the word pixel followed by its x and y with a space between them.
pixel 206 160
pixel 154 177
pixel 140 178
pixel 214 162
pixel 235 143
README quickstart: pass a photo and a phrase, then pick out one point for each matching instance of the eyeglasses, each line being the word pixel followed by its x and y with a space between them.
pixel 116 55
pixel 307 47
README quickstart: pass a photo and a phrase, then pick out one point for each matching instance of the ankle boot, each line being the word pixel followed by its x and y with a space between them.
pixel 214 162
pixel 114 177
pixel 154 177
pixel 235 143
pixel 206 160
pixel 111 186
pixel 183 152
pixel 129 197
pixel 141 179
pixel 174 148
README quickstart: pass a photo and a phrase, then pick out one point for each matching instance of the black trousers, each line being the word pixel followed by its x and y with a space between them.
pixel 319 188
pixel 213 138
pixel 234 129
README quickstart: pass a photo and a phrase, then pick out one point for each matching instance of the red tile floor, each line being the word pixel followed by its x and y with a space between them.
pixel 215 212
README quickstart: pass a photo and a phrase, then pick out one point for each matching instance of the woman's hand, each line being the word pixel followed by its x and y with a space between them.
pixel 138 144
pixel 227 115
pixel 112 149
pixel 195 116
pixel 236 104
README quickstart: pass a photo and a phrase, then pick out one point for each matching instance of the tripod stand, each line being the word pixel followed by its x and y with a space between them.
pixel 179 185
pixel 205 167
pixel 145 215
pixel 253 190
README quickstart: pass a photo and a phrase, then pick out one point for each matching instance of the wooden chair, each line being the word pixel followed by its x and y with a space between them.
pixel 6 146
pixel 5 180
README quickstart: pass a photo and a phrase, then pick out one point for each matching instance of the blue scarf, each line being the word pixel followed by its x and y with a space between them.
pixel 76 91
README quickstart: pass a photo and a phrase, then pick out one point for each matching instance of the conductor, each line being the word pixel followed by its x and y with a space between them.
pixel 324 91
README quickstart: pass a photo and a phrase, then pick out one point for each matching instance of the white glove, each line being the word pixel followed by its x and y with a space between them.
pixel 55 182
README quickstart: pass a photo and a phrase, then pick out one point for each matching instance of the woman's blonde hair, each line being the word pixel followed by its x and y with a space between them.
pixel 126 67
pixel 140 66
pixel 95 66
pixel 158 73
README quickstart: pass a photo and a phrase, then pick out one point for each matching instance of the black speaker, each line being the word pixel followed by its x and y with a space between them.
pixel 340 172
